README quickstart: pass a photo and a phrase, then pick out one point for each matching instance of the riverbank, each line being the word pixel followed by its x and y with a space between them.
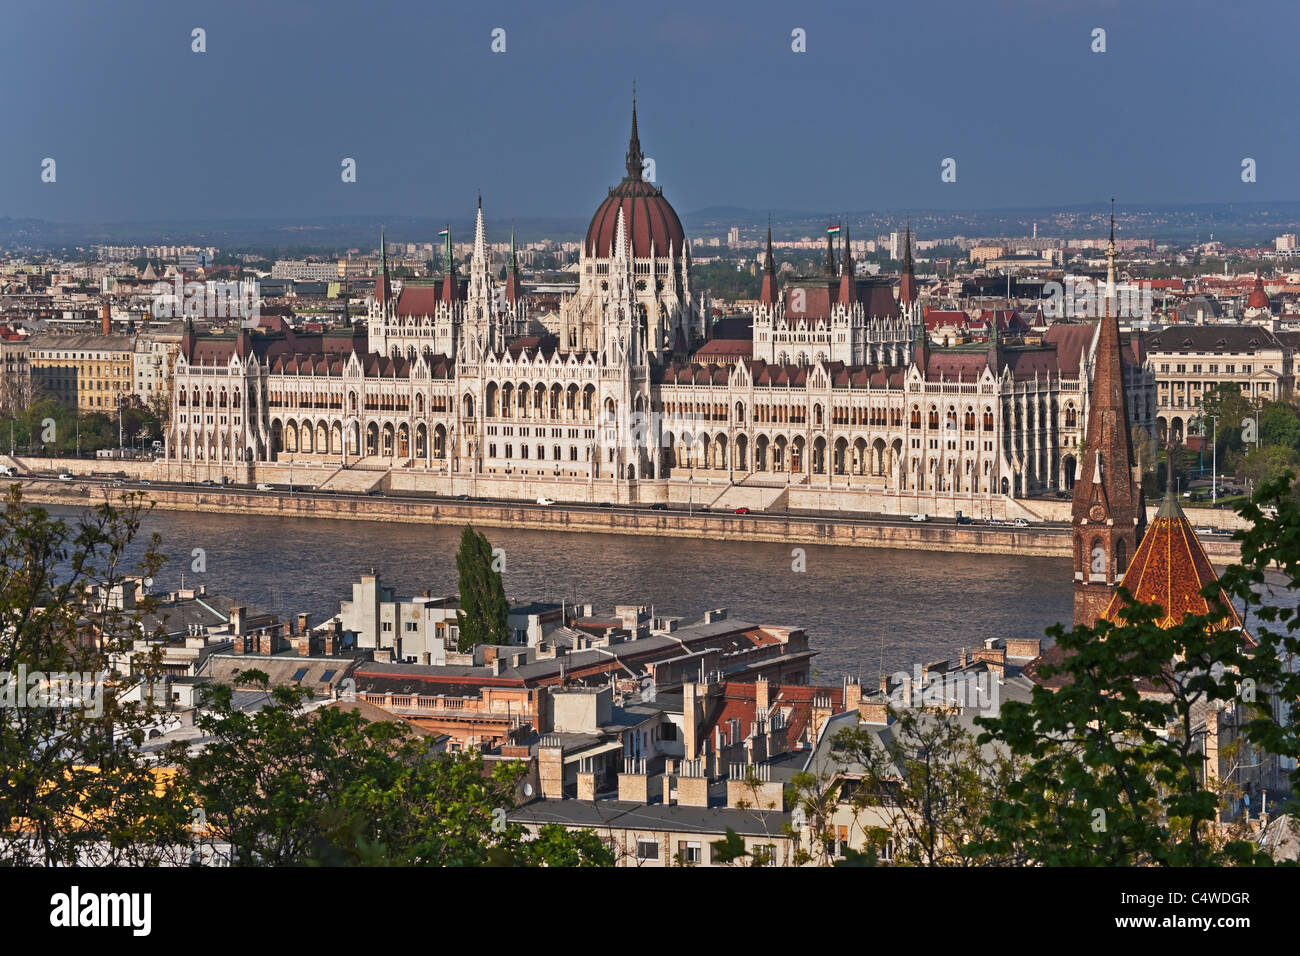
pixel 788 528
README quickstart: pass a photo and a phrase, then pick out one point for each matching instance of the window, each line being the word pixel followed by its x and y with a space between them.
pixel 299 674
pixel 411 626
pixel 689 852
pixel 386 626
pixel 647 849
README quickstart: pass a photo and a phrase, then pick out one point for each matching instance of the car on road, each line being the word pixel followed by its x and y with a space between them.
pixel 544 501
pixel 263 486
pixel 604 504
pixel 145 481
pixel 658 506
pixel 1205 531
pixel 375 493
pixel 1020 523
pixel 64 476
pixel 9 471
pixel 462 497
pixel 965 519
pixel 742 511
pixel 919 516
pixel 209 482
pixel 705 509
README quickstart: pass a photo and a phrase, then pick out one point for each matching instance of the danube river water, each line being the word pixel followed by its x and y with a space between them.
pixel 863 608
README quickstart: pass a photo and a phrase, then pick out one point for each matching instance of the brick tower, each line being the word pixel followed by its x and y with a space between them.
pixel 1109 514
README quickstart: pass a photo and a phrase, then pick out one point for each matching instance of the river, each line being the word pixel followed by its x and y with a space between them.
pixel 864 609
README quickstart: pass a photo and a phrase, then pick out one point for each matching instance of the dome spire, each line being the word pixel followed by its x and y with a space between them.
pixel 635 160
pixel 768 292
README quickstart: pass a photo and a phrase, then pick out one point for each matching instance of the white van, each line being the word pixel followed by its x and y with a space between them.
pixel 8 471
pixel 263 486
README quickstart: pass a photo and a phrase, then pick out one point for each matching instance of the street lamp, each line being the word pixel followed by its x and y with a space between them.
pixel 1214 467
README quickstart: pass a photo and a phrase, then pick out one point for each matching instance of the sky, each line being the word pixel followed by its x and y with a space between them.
pixel 142 128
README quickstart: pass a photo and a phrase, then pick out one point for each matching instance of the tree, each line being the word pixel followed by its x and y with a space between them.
pixel 1226 403
pixel 482 615
pixel 75 786
pixel 1279 425
pixel 927 786
pixel 289 785
pixel 1267 463
pixel 1115 776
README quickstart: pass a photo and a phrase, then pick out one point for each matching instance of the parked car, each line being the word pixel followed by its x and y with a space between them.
pixel 742 511
pixel 658 506
pixel 604 504
pixel 462 497
pixel 263 486
pixel 545 501
pixel 1020 523
pixel 209 482
pixel 964 519
pixel 64 476
pixel 145 481
pixel 1206 531
pixel 9 471
pixel 919 516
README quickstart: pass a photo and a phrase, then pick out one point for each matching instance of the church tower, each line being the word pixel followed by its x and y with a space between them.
pixel 1109 514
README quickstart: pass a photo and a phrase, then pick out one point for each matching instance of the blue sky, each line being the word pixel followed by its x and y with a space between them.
pixel 142 128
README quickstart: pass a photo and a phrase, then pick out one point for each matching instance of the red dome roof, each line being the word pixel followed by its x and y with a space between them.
pixel 1258 297
pixel 647 215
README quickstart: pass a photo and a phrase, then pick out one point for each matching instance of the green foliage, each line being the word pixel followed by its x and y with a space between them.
pixel 730 849
pixel 74 780
pixel 289 786
pixel 482 616
pixel 727 280
pixel 1117 777
pixel 1280 425
pixel 930 785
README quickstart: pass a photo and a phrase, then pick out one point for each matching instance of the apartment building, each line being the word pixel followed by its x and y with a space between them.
pixel 89 372
pixel 1188 360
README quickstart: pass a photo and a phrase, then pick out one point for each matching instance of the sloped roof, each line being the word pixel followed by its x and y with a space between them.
pixel 1170 569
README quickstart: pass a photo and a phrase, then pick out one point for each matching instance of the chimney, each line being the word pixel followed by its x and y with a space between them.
pixel 761 701
pixel 304 621
pixel 237 620
pixel 106 319
pixel 852 694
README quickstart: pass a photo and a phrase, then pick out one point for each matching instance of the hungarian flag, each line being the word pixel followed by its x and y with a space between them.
pixel 832 230
pixel 444 232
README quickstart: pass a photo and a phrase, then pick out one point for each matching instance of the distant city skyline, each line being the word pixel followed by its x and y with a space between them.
pixel 141 127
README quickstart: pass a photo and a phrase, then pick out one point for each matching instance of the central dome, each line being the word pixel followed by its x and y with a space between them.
pixel 647 216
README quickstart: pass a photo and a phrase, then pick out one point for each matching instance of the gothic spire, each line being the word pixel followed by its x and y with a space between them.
pixel 907 284
pixel 848 282
pixel 768 293
pixel 1108 513
pixel 634 158
pixel 830 251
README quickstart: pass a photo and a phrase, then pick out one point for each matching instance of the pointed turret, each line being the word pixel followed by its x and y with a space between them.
pixel 634 158
pixel 1108 514
pixel 830 253
pixel 907 285
pixel 383 288
pixel 768 293
pixel 450 292
pixel 848 281
pixel 514 291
